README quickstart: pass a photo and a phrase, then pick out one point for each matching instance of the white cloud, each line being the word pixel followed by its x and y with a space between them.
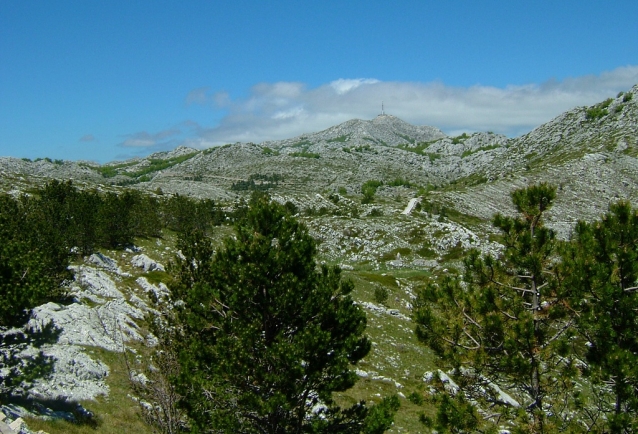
pixel 294 112
pixel 343 85
pixel 286 109
pixel 163 139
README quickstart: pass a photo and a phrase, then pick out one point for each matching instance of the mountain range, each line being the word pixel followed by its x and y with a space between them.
pixel 588 152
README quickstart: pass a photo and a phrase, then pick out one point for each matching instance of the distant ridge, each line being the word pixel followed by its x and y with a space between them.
pixel 591 153
pixel 383 129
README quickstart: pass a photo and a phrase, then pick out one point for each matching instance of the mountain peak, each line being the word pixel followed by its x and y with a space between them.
pixel 383 129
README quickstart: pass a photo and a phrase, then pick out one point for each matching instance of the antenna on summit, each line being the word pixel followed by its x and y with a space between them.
pixel 382 111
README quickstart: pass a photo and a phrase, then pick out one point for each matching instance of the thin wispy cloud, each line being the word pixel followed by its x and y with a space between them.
pixel 286 109
pixel 198 96
pixel 143 139
pixel 87 138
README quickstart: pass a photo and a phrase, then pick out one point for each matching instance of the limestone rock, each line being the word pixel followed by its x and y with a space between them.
pixel 146 263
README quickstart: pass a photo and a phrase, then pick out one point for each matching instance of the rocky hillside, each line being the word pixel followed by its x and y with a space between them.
pixel 598 143
pixel 590 152
pixel 434 199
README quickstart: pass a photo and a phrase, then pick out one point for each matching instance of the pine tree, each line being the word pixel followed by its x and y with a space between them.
pixel 602 269
pixel 31 273
pixel 267 337
pixel 504 324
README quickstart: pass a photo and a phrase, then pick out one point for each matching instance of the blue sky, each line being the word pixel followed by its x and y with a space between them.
pixel 105 80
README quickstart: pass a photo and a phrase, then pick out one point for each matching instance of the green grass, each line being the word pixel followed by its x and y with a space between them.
pixel 112 170
pixel 381 278
pixel 463 219
pixel 396 353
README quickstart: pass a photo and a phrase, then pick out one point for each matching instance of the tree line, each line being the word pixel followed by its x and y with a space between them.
pixel 42 232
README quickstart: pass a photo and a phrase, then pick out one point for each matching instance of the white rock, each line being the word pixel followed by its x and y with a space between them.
pixel 146 263
pixel 160 291
pixel 76 376
pixel 96 282
pixel 107 263
pixel 107 326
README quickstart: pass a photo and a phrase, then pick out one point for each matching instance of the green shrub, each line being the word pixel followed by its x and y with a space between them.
pixel 459 139
pixel 400 182
pixel 304 154
pixel 339 139
pixel 267 151
pixel 599 110
pixel 433 156
pixel 369 189
pixel 264 182
pixel 469 152
pixel 375 212
pixel 415 398
pixel 381 294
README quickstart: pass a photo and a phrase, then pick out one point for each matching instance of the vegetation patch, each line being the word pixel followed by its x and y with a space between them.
pixel 400 182
pixel 304 154
pixel 258 182
pixel 460 139
pixel 599 110
pixel 482 148
pixel 380 278
pixel 155 165
pixel 269 152
pixel 339 139
pixel 418 149
pixel 392 254
pixel 369 189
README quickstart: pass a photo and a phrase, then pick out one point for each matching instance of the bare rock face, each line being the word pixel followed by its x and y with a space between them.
pixel 147 264
pixel 106 263
pixel 102 315
pixel 76 377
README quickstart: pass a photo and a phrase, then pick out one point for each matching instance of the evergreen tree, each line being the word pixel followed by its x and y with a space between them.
pixel 504 327
pixel 85 230
pixel 602 269
pixel 116 227
pixel 31 273
pixel 266 336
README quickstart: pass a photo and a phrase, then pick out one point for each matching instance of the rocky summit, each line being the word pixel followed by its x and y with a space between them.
pixel 432 198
